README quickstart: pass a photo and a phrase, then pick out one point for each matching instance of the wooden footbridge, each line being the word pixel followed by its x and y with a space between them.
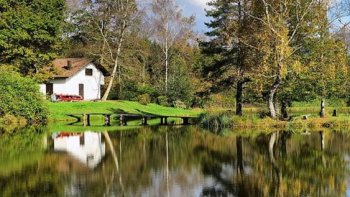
pixel 123 118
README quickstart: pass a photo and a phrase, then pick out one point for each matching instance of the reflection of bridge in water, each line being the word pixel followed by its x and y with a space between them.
pixel 87 147
pixel 125 117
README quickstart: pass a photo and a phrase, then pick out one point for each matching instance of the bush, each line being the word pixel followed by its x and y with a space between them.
pixel 9 119
pixel 162 100
pixel 216 122
pixel 20 96
pixel 179 104
pixel 129 91
pixel 144 99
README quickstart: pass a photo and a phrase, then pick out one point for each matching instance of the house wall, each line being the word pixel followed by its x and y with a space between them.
pixel 92 84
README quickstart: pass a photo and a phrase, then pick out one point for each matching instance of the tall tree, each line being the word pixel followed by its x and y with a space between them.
pixel 326 57
pixel 102 26
pixel 232 43
pixel 30 33
pixel 314 62
pixel 281 21
pixel 168 26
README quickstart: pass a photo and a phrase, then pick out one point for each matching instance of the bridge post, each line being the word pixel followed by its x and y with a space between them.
pixel 88 120
pixel 107 120
pixel 121 120
pixel 144 120
pixel 165 120
pixel 185 121
pixel 84 120
pixel 125 121
pixel 161 121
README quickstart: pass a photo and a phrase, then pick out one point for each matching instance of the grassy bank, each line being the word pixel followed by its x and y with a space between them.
pixel 223 120
pixel 59 110
pixel 252 119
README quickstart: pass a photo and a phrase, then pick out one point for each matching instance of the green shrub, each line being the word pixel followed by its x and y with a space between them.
pixel 179 104
pixel 9 119
pixel 146 89
pixel 162 100
pixel 22 121
pixel 216 122
pixel 225 120
pixel 144 99
pixel 204 119
pixel 129 91
pixel 20 96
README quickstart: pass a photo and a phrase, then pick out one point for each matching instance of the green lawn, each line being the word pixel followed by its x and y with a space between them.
pixel 59 110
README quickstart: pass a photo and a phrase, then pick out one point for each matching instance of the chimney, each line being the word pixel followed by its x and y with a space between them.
pixel 69 65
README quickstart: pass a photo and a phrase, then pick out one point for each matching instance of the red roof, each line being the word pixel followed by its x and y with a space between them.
pixel 77 64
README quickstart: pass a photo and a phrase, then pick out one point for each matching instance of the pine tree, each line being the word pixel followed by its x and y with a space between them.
pixel 231 44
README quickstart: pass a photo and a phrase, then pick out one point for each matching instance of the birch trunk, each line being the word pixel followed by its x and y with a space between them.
pixel 322 111
pixel 166 57
pixel 277 175
pixel 271 97
pixel 116 63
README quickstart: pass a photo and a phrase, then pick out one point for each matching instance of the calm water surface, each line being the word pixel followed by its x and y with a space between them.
pixel 174 161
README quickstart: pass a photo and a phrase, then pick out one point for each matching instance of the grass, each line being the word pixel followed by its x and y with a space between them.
pixel 59 110
pixel 252 119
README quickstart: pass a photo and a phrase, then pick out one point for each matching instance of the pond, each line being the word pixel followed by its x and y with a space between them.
pixel 174 161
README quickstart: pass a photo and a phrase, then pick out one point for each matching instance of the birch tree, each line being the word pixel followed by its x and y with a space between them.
pixel 327 64
pixel 104 24
pixel 281 21
pixel 168 25
pixel 124 10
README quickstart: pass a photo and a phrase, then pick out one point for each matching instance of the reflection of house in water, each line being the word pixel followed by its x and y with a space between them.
pixel 87 147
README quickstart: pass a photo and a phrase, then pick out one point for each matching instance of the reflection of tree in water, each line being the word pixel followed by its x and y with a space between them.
pixel 213 164
pixel 31 184
pixel 277 164
pixel 20 166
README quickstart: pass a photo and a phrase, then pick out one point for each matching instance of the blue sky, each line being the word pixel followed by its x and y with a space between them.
pixel 196 8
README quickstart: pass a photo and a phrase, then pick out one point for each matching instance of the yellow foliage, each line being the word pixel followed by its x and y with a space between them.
pixel 297 67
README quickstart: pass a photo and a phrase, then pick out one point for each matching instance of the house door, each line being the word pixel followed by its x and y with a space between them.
pixel 49 89
pixel 81 90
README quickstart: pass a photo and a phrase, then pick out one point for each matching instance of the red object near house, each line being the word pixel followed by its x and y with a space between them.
pixel 68 98
pixel 67 134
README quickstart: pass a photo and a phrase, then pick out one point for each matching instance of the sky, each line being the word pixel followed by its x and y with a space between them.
pixel 196 8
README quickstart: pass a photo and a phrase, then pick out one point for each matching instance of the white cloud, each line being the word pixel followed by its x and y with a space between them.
pixel 202 3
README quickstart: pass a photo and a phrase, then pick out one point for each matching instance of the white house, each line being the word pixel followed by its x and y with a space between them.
pixel 76 76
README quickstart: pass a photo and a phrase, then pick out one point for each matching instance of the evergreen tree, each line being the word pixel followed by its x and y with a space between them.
pixel 231 44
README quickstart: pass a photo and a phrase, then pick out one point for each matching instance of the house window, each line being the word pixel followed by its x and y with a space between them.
pixel 88 72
